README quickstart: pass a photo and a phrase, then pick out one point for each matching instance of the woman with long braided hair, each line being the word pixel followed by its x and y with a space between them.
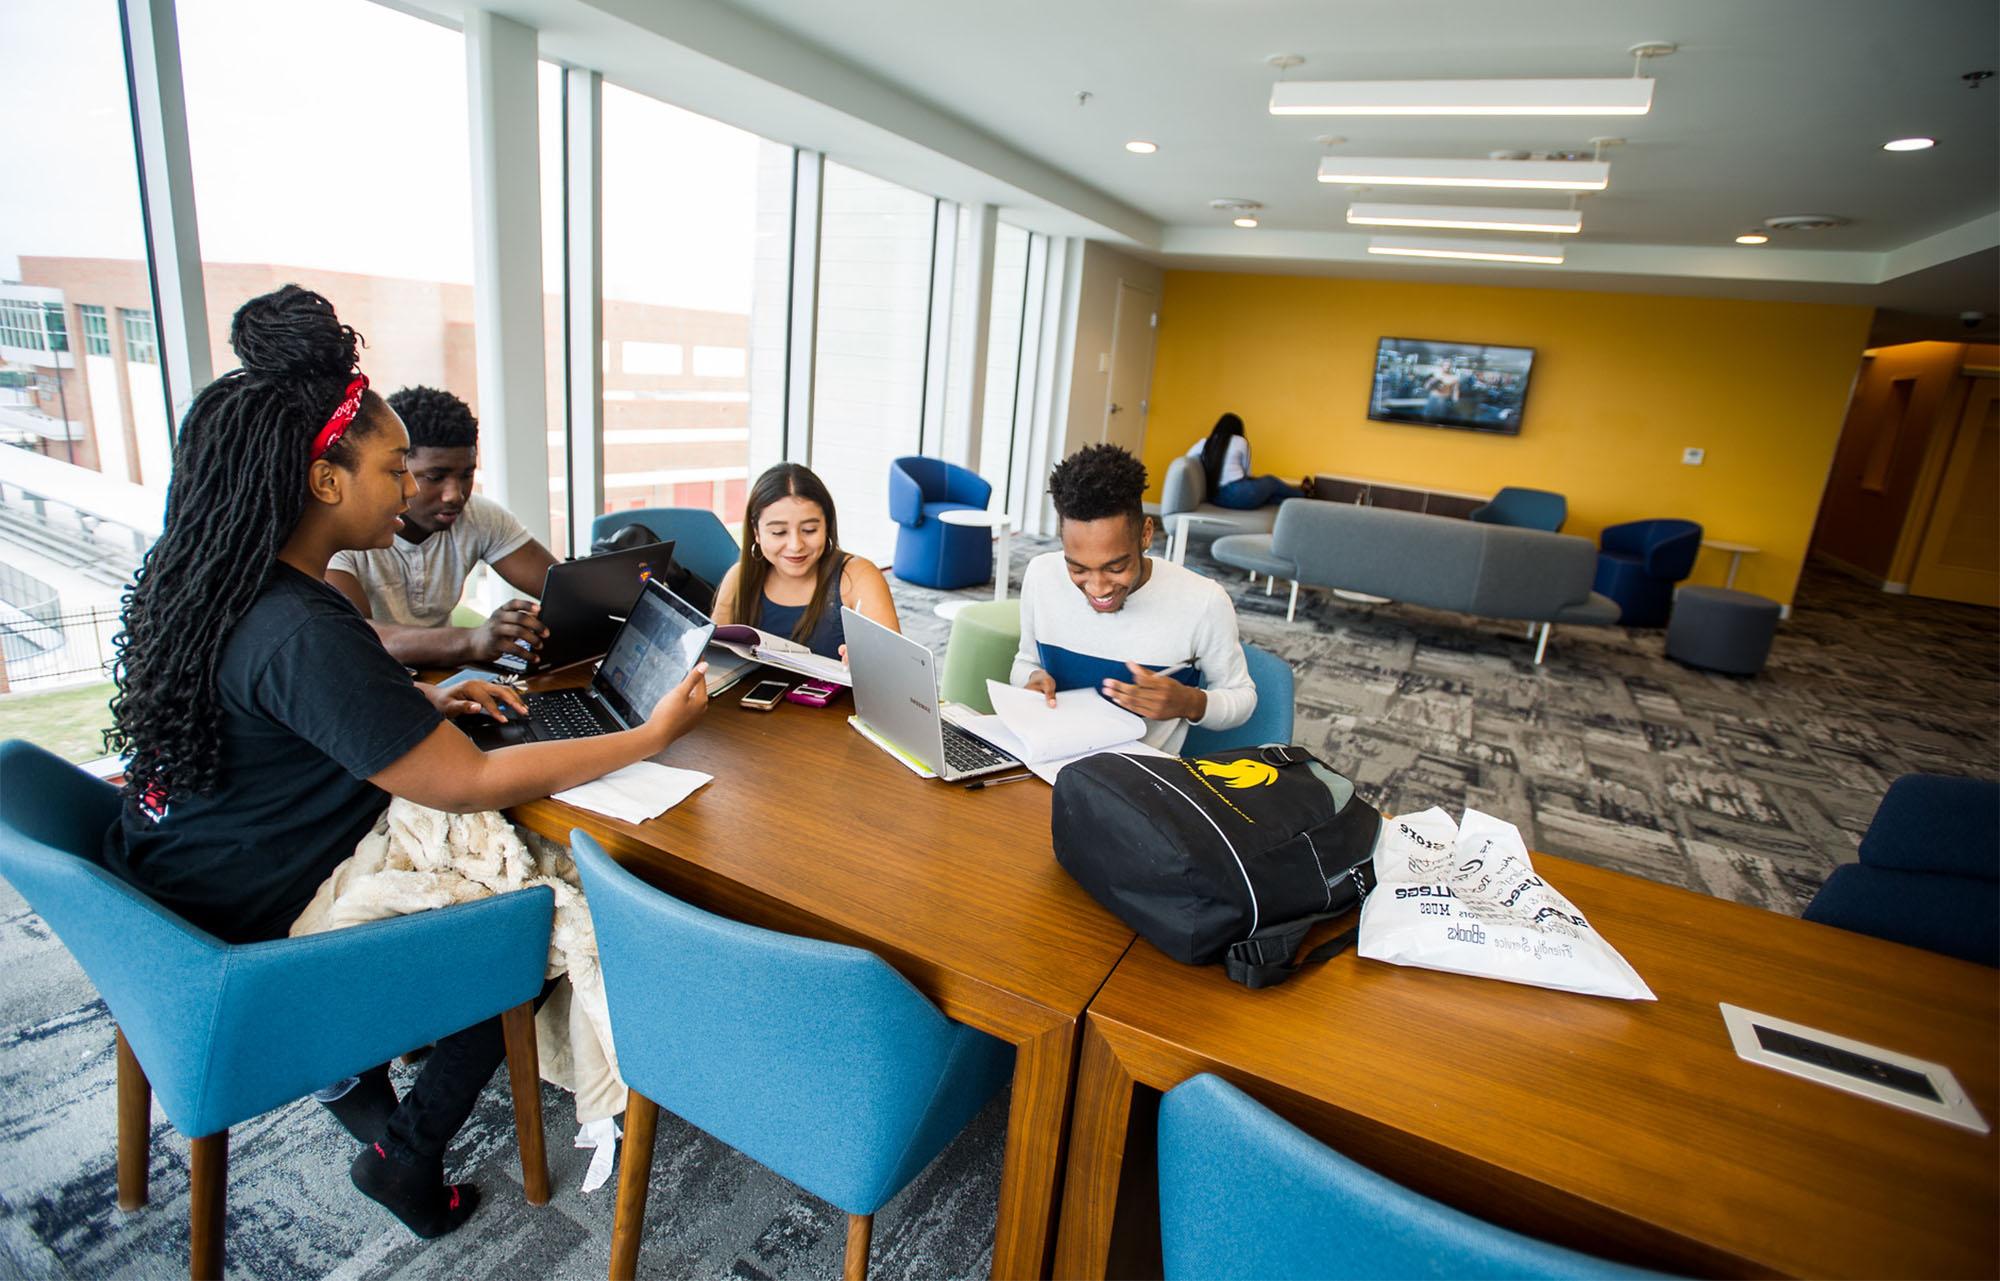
pixel 268 728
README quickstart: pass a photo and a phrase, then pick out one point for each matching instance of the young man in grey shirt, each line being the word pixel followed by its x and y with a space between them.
pixel 408 590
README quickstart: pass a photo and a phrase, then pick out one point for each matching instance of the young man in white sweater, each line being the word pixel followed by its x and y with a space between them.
pixel 1102 614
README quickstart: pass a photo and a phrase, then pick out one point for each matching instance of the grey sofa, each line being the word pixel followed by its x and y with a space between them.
pixel 1495 571
pixel 1185 493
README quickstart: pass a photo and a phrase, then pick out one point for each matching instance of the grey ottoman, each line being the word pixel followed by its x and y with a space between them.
pixel 1722 630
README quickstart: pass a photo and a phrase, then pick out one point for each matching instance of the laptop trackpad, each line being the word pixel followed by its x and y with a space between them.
pixel 488 734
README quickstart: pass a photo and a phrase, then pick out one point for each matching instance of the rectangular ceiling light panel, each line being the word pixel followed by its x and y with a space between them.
pixel 1622 97
pixel 1518 175
pixel 1467 250
pixel 1466 217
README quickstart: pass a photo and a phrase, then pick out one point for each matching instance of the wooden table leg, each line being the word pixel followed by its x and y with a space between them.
pixel 135 1127
pixel 1031 1169
pixel 1096 1159
pixel 524 1077
pixel 208 1170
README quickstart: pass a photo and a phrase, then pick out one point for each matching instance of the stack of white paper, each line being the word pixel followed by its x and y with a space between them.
pixel 1082 723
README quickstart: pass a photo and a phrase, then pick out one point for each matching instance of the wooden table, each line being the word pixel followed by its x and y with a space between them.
pixel 1627 1129
pixel 811 829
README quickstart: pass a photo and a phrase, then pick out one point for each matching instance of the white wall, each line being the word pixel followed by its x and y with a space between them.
pixel 1097 304
pixel 107 418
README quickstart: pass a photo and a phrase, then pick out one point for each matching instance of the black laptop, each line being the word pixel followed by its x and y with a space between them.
pixel 657 645
pixel 583 603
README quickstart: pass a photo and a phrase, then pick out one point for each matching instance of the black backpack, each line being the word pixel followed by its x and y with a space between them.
pixel 1231 856
pixel 682 581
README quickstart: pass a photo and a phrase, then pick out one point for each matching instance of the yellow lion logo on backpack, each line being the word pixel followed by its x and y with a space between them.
pixel 1245 773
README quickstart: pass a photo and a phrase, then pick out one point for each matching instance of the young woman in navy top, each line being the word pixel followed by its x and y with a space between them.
pixel 793 578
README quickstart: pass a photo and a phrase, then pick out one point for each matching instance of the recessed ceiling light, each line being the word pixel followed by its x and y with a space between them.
pixel 1526 175
pixel 1140 147
pixel 1754 238
pixel 1465 217
pixel 1468 250
pixel 1246 222
pixel 1620 97
pixel 1910 144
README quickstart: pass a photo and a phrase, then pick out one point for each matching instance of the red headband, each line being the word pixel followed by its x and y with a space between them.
pixel 342 418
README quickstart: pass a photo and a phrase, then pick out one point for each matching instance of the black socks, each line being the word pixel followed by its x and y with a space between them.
pixel 416 1194
pixel 365 1109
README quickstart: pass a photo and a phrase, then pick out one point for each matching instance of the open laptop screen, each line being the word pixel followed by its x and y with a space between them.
pixel 659 645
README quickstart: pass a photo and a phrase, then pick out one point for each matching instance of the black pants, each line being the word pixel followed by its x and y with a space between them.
pixel 447 1087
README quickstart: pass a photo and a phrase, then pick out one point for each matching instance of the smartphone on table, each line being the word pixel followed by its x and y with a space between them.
pixel 814 694
pixel 764 695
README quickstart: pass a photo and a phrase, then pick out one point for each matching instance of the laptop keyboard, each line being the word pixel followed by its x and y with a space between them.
pixel 563 714
pixel 965 752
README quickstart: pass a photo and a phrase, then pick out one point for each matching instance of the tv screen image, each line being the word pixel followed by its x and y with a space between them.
pixel 1470 386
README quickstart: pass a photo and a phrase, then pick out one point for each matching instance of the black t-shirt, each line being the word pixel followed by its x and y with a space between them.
pixel 312 705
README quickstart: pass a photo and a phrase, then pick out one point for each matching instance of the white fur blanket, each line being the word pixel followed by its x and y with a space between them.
pixel 417 859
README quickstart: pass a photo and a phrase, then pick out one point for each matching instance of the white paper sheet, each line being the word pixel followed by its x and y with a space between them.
pixel 1082 721
pixel 995 731
pixel 636 793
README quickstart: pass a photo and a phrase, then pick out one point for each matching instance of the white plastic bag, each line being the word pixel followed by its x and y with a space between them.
pixel 1467 900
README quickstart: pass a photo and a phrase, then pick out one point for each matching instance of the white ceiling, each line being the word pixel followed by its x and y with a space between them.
pixel 1770 107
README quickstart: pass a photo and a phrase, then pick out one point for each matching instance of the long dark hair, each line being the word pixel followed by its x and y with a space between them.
pixel 786 480
pixel 1217 449
pixel 238 490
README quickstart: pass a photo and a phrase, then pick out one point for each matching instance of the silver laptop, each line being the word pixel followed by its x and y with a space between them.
pixel 895 696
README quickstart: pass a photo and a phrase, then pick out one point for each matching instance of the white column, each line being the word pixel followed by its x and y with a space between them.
pixel 583 302
pixel 504 114
pixel 968 400
pixel 805 304
pixel 166 186
pixel 938 402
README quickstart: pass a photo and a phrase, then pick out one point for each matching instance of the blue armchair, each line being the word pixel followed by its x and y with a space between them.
pixel 701 541
pixel 1270 723
pixel 1638 564
pixel 1524 509
pixel 220 1032
pixel 1245 1194
pixel 928 551
pixel 1929 874
pixel 815 1059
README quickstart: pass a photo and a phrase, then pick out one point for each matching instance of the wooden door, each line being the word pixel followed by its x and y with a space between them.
pixel 1959 558
pixel 1132 330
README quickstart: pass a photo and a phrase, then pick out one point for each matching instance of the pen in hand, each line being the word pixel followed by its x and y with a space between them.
pixel 978 783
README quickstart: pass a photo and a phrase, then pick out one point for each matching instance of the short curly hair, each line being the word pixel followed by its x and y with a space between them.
pixel 436 419
pixel 1098 481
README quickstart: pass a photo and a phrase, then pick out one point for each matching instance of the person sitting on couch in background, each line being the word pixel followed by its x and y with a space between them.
pixel 1224 456
pixel 1156 639
pixel 408 589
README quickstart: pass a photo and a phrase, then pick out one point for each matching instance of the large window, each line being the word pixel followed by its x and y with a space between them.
pixel 1003 357
pixel 874 316
pixel 682 209
pixel 70 232
pixel 331 150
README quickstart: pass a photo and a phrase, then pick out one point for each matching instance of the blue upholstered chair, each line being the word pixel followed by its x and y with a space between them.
pixel 701 541
pixel 1244 1194
pixel 815 1059
pixel 1929 874
pixel 220 1033
pixel 928 551
pixel 1638 564
pixel 1525 509
pixel 1270 723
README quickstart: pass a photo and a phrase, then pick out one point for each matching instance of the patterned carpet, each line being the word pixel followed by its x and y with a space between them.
pixel 1608 753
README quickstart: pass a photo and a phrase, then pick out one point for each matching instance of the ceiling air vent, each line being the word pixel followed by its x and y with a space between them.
pixel 1804 222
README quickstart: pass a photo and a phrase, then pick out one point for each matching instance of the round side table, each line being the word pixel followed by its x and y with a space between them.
pixel 1737 551
pixel 1002 525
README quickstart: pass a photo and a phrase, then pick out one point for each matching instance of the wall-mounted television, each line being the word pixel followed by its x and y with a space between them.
pixel 1470 386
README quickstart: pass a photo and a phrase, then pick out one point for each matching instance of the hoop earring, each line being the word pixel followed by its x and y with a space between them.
pixel 756 551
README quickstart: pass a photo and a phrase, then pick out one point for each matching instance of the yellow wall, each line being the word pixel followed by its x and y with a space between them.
pixel 1621 383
